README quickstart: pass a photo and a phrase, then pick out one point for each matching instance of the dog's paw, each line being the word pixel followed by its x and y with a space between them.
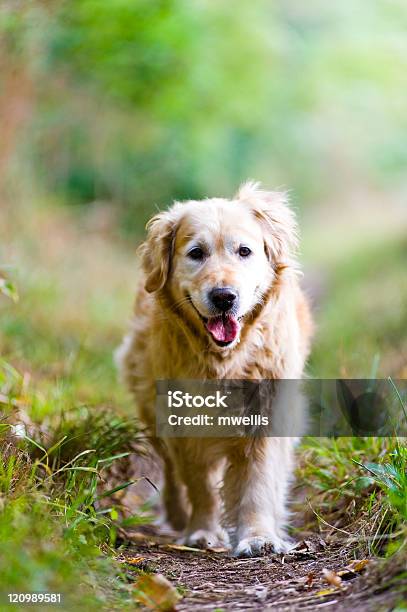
pixel 203 538
pixel 255 546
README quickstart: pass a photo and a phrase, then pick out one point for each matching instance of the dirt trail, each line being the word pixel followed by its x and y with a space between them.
pixel 211 580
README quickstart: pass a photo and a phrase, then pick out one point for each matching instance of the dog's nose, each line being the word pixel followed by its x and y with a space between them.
pixel 223 298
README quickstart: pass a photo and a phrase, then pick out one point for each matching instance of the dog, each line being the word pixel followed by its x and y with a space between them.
pixel 220 299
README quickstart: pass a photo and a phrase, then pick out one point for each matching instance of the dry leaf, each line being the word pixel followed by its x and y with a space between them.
pixel 346 574
pixel 303 545
pixel 156 592
pixel 183 548
pixel 304 548
pixel 217 549
pixel 310 580
pixel 332 577
pixel 325 592
pixel 134 560
pixel 358 565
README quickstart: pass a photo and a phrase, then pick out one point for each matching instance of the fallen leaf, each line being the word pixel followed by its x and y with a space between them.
pixel 332 577
pixel 134 560
pixel 325 592
pixel 217 549
pixel 183 548
pixel 347 574
pixel 358 565
pixel 304 545
pixel 156 592
pixel 303 548
pixel 310 580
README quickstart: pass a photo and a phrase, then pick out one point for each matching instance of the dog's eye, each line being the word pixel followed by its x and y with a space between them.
pixel 244 251
pixel 196 253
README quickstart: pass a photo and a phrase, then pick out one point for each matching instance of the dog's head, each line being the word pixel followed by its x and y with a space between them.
pixel 217 259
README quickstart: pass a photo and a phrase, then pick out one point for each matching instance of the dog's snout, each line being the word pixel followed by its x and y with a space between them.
pixel 223 298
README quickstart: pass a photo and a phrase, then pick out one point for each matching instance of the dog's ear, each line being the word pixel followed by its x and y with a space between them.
pixel 278 220
pixel 156 251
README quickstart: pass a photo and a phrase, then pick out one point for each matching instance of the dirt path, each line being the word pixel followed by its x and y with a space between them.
pixel 213 581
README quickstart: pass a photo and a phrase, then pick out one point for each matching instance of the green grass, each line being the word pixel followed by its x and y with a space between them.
pixel 56 534
pixel 59 524
pixel 358 486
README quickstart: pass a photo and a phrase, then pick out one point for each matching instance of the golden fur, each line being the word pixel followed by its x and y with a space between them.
pixel 169 340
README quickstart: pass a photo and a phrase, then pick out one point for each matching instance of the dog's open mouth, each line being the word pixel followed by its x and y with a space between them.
pixel 224 328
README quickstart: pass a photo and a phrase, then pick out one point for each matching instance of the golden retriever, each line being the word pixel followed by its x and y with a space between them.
pixel 220 299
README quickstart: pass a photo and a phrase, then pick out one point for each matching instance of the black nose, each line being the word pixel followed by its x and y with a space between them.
pixel 223 298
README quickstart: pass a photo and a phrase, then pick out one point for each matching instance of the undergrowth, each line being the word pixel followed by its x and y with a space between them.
pixel 59 522
pixel 357 488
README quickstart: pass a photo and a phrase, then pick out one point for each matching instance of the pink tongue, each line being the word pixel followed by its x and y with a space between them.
pixel 223 328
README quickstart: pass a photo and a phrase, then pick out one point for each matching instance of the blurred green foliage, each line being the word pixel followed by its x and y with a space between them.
pixel 138 102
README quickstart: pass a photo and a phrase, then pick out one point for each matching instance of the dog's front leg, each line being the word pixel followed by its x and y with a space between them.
pixel 199 470
pixel 255 494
